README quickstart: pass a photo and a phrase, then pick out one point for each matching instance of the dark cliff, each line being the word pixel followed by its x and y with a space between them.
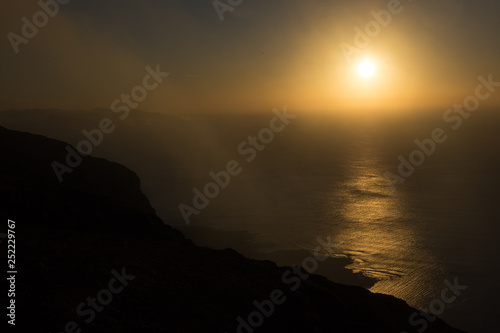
pixel 72 238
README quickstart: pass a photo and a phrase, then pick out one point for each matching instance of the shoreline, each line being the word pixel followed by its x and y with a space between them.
pixel 249 246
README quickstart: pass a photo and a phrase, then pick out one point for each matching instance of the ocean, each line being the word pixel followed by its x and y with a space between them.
pixel 438 228
pixel 325 175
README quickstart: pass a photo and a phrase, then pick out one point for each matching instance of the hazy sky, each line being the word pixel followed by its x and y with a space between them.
pixel 265 54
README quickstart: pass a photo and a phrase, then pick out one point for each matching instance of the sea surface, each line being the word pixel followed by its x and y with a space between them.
pixel 326 176
pixel 442 224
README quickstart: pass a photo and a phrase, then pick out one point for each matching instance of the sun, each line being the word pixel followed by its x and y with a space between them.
pixel 366 69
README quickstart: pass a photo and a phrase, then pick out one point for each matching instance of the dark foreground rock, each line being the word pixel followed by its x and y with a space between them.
pixel 92 256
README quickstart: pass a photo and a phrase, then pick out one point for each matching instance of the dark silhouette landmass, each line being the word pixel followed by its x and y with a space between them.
pixel 71 235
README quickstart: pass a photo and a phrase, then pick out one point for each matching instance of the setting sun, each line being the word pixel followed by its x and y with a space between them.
pixel 366 69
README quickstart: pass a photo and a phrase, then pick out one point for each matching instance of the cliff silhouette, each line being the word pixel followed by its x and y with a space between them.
pixel 73 237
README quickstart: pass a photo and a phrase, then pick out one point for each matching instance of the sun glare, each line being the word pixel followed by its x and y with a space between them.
pixel 366 69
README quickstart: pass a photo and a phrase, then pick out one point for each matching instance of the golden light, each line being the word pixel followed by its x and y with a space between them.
pixel 366 69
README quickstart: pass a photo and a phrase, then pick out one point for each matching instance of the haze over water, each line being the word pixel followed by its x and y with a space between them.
pixel 186 81
pixel 324 176
pixel 441 224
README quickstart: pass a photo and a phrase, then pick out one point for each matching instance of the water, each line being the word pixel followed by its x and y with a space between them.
pixel 324 176
pixel 441 224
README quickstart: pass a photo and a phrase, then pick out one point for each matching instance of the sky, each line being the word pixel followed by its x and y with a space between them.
pixel 264 54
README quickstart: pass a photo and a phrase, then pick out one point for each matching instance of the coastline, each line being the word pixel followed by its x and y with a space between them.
pixel 334 268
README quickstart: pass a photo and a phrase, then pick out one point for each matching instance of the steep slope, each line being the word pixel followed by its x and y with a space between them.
pixel 73 240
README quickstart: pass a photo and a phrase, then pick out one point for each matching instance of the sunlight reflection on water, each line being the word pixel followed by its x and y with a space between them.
pixel 378 235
